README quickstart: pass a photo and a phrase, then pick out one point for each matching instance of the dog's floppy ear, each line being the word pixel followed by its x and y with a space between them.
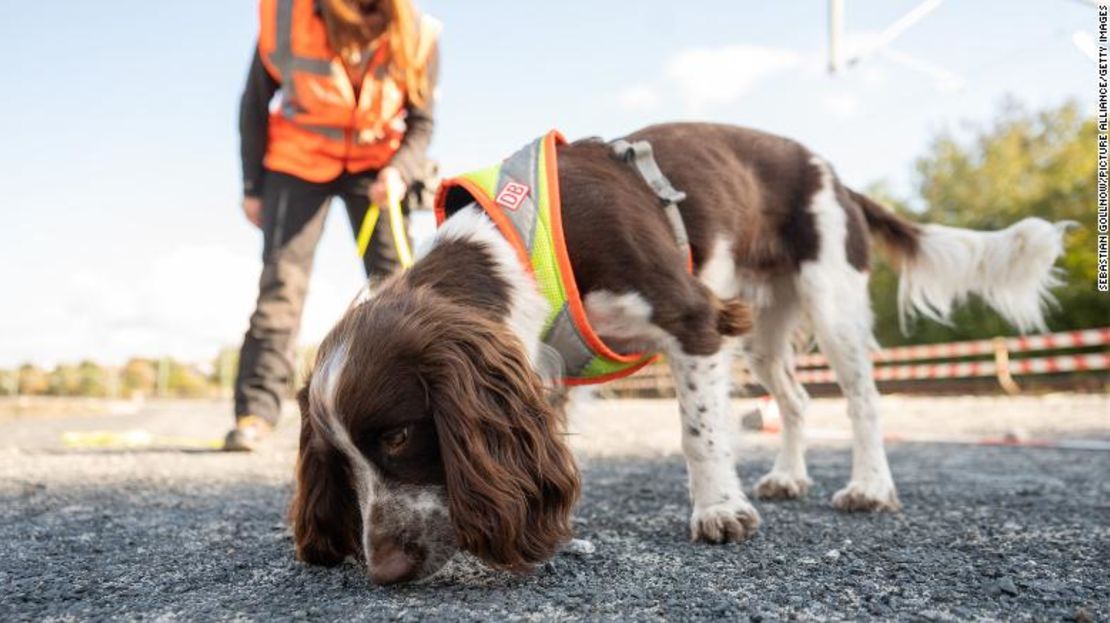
pixel 511 479
pixel 325 518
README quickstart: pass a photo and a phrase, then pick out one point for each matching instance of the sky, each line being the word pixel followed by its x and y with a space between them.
pixel 122 234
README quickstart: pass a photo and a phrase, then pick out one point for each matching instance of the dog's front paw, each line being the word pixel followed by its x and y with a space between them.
pixel 861 497
pixel 727 522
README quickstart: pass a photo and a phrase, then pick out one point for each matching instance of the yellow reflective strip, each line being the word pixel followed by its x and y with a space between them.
pixel 545 264
pixel 486 179
pixel 400 238
pixel 366 231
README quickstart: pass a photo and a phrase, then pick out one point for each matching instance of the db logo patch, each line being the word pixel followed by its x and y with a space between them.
pixel 512 195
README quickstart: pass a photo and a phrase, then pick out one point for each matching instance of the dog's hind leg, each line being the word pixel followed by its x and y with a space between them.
pixel 722 512
pixel 842 322
pixel 771 359
pixel 833 294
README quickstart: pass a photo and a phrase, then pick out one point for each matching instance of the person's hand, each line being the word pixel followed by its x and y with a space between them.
pixel 252 208
pixel 389 184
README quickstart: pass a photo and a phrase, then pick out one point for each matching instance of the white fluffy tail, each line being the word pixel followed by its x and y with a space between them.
pixel 1012 270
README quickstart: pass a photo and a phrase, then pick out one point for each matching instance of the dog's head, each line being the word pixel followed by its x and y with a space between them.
pixel 425 430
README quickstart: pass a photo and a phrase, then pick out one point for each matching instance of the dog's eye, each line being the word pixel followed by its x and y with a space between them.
pixel 394 441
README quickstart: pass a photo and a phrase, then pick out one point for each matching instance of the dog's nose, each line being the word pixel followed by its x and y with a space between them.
pixel 389 564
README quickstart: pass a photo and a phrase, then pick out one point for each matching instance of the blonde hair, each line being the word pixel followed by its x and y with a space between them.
pixel 350 31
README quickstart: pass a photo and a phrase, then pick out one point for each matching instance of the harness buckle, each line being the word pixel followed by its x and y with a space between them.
pixel 640 155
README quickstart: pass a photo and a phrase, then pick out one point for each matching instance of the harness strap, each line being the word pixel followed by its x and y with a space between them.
pixel 639 154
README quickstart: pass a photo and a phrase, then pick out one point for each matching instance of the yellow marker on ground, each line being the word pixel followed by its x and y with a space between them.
pixel 131 439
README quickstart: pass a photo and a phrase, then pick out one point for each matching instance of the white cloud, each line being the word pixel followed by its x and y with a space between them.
pixel 188 302
pixel 1085 41
pixel 639 97
pixel 872 75
pixel 193 287
pixel 860 43
pixel 841 104
pixel 714 76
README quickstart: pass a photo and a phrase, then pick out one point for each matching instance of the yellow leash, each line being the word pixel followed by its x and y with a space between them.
pixel 400 235
pixel 366 231
pixel 396 223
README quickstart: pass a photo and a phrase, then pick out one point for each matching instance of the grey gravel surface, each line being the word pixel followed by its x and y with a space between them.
pixel 987 533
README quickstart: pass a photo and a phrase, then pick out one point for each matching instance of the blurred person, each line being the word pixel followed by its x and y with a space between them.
pixel 353 118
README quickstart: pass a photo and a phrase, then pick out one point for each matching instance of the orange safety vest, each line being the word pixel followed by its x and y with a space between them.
pixel 320 128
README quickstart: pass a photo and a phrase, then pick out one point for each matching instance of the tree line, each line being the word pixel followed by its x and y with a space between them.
pixel 139 377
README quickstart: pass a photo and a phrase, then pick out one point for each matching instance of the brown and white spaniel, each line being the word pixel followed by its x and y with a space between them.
pixel 425 426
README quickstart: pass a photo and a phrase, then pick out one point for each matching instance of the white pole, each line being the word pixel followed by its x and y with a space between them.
pixel 836 31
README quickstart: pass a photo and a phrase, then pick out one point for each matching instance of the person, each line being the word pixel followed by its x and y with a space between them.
pixel 353 117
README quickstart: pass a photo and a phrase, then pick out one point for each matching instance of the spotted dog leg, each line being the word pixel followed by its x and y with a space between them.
pixel 722 513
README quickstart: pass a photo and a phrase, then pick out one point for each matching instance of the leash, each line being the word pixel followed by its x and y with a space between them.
pixel 640 155
pixel 396 224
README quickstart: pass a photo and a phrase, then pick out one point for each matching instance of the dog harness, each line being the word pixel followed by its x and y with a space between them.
pixel 521 196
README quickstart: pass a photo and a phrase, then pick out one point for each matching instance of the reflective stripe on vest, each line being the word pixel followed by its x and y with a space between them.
pixel 287 64
pixel 521 195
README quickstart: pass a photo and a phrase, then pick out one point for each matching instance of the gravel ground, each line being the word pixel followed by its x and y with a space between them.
pixel 987 532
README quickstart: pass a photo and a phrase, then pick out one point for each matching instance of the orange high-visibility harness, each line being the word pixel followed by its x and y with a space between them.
pixel 521 196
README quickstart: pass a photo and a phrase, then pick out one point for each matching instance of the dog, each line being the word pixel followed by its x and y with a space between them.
pixel 425 425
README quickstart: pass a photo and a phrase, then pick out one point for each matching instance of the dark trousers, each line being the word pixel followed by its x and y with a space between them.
pixel 293 213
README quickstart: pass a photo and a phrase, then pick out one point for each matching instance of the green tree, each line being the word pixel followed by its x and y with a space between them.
pixel 139 377
pixel 224 368
pixel 185 381
pixel 1023 164
pixel 9 382
pixel 33 381
pixel 92 379
pixel 65 380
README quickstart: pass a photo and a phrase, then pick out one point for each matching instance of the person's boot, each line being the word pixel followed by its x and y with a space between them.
pixel 249 433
